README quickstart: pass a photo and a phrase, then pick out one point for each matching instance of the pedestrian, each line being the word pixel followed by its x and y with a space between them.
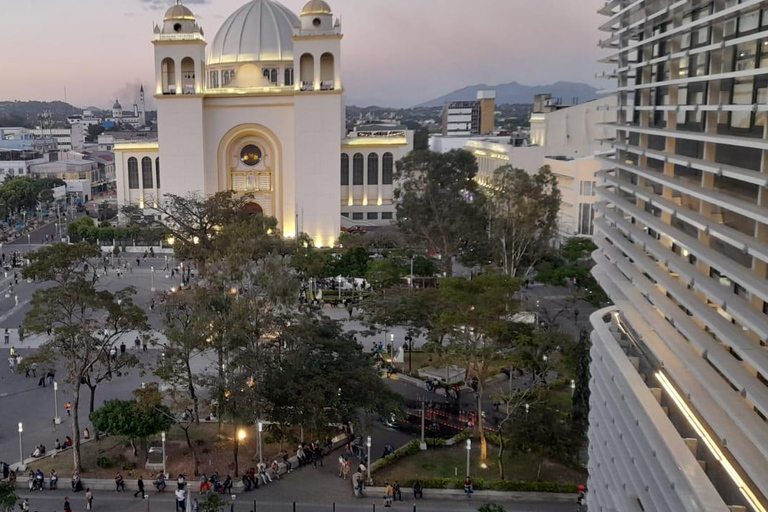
pixel 468 490
pixel 67 507
pixel 68 408
pixel 137 343
pixel 342 463
pixel 388 494
pixel 144 345
pixel 119 483
pixel 122 347
pixel 581 499
pixel 7 336
pixel 195 505
pixel 140 486
pixel 88 499
pixel 181 504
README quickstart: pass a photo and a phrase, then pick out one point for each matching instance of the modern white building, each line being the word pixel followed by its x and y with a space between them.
pixel 70 138
pixel 679 402
pixel 259 111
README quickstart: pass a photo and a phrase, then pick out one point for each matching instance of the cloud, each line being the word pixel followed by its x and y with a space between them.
pixel 160 5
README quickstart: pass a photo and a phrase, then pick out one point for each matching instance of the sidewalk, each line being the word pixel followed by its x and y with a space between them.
pixel 37 340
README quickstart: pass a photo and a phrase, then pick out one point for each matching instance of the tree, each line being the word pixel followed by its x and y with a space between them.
pixel 8 497
pixel 94 130
pixel 523 210
pixel 418 310
pixel 212 503
pixel 321 377
pixel 512 403
pixel 383 273
pixel 107 368
pixel 134 419
pixel 440 205
pixel 475 319
pixel 84 321
pixel 581 393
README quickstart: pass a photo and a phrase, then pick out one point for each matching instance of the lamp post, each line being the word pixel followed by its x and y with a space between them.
pixel 152 288
pixel 368 466
pixel 56 417
pixel 410 281
pixel 22 467
pixel 469 450
pixel 261 452
pixel 29 243
pixel 162 436
pixel 573 387
pixel 392 347
pixel 423 444
pixel 527 408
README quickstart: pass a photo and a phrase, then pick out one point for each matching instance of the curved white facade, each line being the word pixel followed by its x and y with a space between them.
pixel 682 231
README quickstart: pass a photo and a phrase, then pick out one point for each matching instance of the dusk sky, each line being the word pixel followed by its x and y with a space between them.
pixel 395 52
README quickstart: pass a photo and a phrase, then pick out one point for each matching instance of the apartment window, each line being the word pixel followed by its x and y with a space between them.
pixel 742 95
pixel 585 219
pixel 345 214
pixel 146 172
pixel 357 216
pixel 587 188
pixel 289 76
pixel 387 168
pixel 372 216
pixel 386 216
pixel 133 173
pixel 344 170
pixel 358 162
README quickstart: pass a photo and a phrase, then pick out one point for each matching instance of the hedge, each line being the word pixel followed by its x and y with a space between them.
pixel 480 484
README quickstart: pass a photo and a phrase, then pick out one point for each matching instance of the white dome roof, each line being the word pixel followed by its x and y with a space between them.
pixel 261 30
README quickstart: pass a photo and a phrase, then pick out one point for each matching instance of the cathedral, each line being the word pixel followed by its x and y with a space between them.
pixel 260 111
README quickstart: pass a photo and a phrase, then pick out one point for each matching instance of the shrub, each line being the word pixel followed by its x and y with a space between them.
pixel 491 507
pixel 104 462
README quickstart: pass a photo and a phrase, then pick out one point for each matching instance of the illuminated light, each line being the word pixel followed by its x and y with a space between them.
pixel 196 240
pixel 484 465
pixel 369 141
pixel 241 435
pixel 144 146
pixel 479 152
pixel 233 291
pixel 694 422
pixel 380 202
pixel 170 240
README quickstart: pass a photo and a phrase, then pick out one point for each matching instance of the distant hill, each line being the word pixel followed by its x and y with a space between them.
pixel 514 92
pixel 24 113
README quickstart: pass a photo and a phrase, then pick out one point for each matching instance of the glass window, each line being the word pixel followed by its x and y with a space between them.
pixel 357 216
pixel 386 216
pixel 289 76
pixel 146 172
pixel 373 169
pixel 344 170
pixel 745 56
pixel 749 22
pixel 387 168
pixel 742 95
pixel 157 172
pixel 358 162
pixel 273 76
pixel 133 173
pixel 250 155
pixel 372 216
pixel 587 188
pixel 585 219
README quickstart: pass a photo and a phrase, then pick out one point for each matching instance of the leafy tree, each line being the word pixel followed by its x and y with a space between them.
pixel 418 310
pixel 577 248
pixel 523 210
pixel 352 263
pixel 107 368
pixel 511 404
pixel 475 319
pixel 321 377
pixel 440 205
pixel 212 503
pixel 94 130
pixel 134 419
pixel 383 273
pixel 491 507
pixel 84 321
pixel 8 497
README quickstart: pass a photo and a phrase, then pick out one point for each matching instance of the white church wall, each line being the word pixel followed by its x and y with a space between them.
pixel 182 140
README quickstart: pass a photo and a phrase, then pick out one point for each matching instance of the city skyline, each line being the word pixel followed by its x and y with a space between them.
pixel 379 58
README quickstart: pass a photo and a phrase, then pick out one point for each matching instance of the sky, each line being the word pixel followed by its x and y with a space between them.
pixel 395 53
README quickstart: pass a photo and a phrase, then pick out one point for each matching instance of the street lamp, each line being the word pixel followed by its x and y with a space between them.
pixel 56 417
pixel 527 408
pixel 368 444
pixel 162 436
pixel 29 243
pixel 21 467
pixel 261 452
pixel 573 387
pixel 152 288
pixel 469 450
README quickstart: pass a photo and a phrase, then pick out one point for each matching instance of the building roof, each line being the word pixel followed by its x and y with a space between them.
pixel 259 31
pixel 178 12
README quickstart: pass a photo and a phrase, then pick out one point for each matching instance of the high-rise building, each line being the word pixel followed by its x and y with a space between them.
pixel 475 117
pixel 679 389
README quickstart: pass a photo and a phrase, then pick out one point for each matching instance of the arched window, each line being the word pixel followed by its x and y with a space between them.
pixel 133 173
pixel 387 168
pixel 344 170
pixel 169 76
pixel 327 72
pixel 157 172
pixel 146 172
pixel 373 169
pixel 289 76
pixel 188 76
pixel 358 162
pixel 273 76
pixel 307 72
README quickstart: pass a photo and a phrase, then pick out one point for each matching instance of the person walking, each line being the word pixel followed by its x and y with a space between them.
pixel 7 336
pixel 68 408
pixel 140 485
pixel 181 505
pixel 119 483
pixel 388 494
pixel 88 499
pixel 67 506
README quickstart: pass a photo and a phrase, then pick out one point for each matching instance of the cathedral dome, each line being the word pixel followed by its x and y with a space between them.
pixel 178 12
pixel 259 31
pixel 316 7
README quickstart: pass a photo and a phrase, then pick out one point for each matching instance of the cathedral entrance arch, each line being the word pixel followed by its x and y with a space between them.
pixel 253 209
pixel 250 162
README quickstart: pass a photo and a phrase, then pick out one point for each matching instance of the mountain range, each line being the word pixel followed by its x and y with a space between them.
pixel 514 92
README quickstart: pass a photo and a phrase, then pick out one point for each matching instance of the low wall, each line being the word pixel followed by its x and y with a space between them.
pixel 458 494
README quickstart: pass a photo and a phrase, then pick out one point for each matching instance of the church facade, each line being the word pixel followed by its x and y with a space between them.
pixel 259 111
